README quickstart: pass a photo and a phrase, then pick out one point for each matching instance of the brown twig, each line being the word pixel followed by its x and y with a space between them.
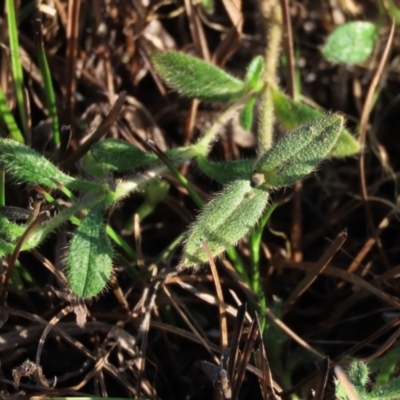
pixel 363 125
pixel 220 296
pixel 97 134
pixel 71 57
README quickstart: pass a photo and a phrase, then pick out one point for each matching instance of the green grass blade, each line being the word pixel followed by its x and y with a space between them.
pixel 49 94
pixel 16 67
pixel 117 239
pixel 8 119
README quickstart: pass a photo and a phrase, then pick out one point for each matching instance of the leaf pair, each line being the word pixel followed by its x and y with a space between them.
pixel 236 210
pixel 193 77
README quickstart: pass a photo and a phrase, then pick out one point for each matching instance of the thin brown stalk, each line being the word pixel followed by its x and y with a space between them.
pixel 272 13
pixel 14 256
pixel 313 273
pixel 364 121
pixel 223 324
pixel 97 134
pixel 71 58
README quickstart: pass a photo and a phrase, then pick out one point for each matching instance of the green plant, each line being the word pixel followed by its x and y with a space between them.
pixel 358 374
pixel 233 213
pixel 226 219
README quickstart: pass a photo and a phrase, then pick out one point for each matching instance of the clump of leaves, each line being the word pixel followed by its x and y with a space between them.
pixel 226 219
pixel 358 374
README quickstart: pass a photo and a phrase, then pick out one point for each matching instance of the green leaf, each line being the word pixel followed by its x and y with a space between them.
pixel 224 221
pixel 351 43
pixel 254 73
pixel 89 260
pixel 208 6
pixel 119 155
pixel 8 119
pixel 298 153
pixel 387 391
pixel 358 372
pixel 27 165
pixel 196 78
pixel 10 231
pixel 292 114
pixel 154 192
pixel 246 114
pixel 226 171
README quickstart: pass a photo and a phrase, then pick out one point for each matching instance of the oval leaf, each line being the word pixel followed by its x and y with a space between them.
pixel 226 171
pixel 351 43
pixel 246 114
pixel 89 260
pixel 298 153
pixel 196 78
pixel 27 165
pixel 224 221
pixel 119 155
pixel 292 114
pixel 254 73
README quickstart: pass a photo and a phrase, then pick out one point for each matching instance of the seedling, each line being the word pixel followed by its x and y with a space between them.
pixel 358 375
pixel 227 218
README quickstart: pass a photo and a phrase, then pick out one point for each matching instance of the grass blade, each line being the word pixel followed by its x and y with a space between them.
pixel 8 119
pixel 16 67
pixel 49 94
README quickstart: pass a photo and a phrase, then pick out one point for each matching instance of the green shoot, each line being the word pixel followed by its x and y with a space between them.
pixel 47 80
pixel 16 66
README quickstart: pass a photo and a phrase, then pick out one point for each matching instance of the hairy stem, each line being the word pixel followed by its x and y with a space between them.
pixel 211 135
pixel 272 13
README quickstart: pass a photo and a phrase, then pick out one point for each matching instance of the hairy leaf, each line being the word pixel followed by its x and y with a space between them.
pixel 298 153
pixel 351 43
pixel 196 78
pixel 89 260
pixel 226 171
pixel 292 114
pixel 224 221
pixel 119 155
pixel 246 114
pixel 254 73
pixel 27 165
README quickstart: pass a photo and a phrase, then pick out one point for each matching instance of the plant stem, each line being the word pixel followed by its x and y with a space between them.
pixel 272 11
pixel 204 144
